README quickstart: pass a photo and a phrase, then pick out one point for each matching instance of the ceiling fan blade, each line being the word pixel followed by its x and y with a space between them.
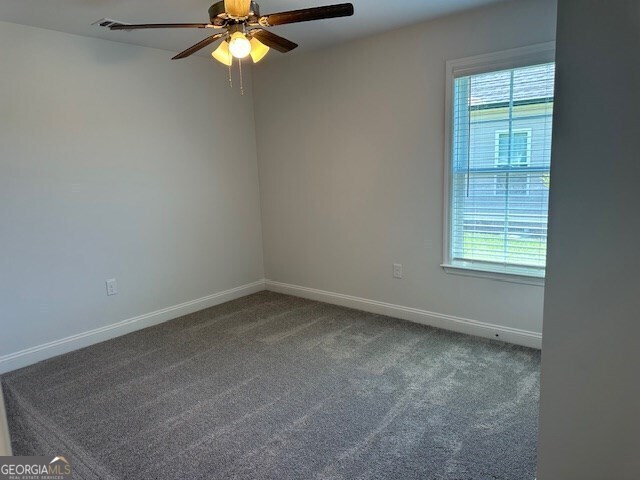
pixel 237 8
pixel 307 15
pixel 199 46
pixel 274 41
pixel 122 26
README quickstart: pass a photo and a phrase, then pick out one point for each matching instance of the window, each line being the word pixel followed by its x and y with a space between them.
pixel 498 163
pixel 513 148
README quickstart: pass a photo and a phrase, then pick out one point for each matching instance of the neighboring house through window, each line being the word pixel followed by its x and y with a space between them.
pixel 500 109
pixel 513 149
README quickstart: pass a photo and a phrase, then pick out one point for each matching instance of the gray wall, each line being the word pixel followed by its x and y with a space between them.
pixel 351 143
pixel 5 442
pixel 590 406
pixel 117 162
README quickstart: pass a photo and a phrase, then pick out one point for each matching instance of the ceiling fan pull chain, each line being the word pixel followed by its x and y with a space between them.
pixel 230 76
pixel 241 85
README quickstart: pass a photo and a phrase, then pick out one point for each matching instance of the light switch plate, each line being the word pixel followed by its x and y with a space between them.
pixel 397 270
pixel 112 286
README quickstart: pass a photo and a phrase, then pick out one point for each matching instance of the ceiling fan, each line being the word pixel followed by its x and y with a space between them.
pixel 243 29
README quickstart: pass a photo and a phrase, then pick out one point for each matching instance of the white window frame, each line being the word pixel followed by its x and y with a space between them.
pixel 504 60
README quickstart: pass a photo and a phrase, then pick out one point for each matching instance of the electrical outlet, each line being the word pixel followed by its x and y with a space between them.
pixel 397 270
pixel 112 287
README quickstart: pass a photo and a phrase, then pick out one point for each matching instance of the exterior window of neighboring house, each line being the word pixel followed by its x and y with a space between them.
pixel 513 149
pixel 500 109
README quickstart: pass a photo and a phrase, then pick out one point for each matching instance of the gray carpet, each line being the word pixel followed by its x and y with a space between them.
pixel 277 387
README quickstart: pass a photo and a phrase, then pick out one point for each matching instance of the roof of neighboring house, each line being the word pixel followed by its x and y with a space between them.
pixel 530 83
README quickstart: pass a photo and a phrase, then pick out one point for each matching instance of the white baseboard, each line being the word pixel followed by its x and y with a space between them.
pixel 439 320
pixel 35 354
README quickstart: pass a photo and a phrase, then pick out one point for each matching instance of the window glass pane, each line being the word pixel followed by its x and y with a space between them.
pixel 503 149
pixel 500 167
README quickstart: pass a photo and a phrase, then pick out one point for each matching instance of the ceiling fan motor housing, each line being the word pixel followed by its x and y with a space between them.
pixel 218 16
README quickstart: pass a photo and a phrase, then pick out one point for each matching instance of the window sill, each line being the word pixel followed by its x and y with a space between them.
pixel 496 273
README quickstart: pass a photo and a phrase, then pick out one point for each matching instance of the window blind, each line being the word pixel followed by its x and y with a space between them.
pixel 502 123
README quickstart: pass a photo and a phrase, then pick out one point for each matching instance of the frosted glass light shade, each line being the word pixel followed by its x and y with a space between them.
pixel 223 55
pixel 258 50
pixel 237 8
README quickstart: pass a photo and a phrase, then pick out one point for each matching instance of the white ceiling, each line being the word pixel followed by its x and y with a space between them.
pixel 76 16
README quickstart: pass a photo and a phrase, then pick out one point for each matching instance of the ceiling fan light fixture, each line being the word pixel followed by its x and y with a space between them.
pixel 239 45
pixel 223 55
pixel 241 29
pixel 237 8
pixel 258 50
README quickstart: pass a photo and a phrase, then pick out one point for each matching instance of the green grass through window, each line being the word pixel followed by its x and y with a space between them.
pixel 491 247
